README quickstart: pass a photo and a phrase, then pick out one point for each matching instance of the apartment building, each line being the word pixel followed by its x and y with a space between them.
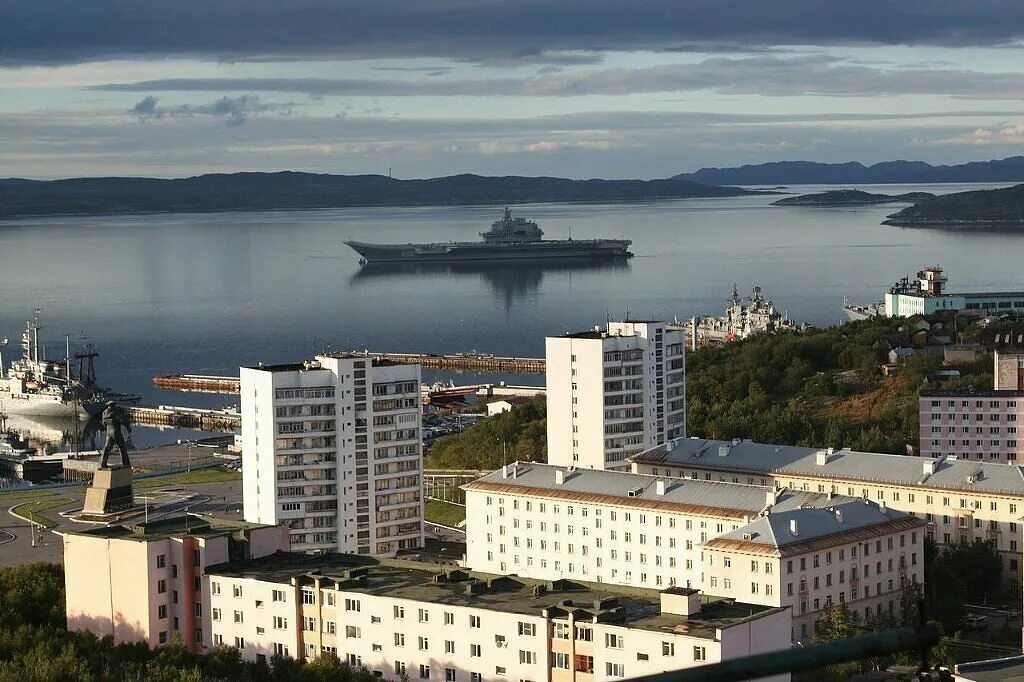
pixel 959 500
pixel 546 522
pixel 855 552
pixel 1009 370
pixel 404 620
pixel 614 392
pixel 332 449
pixel 146 582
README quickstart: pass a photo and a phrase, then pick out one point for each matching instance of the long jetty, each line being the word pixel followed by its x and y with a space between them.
pixel 199 383
pixel 477 362
pixel 186 418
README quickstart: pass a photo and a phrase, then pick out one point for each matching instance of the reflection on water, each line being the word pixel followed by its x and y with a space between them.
pixel 47 435
pixel 511 280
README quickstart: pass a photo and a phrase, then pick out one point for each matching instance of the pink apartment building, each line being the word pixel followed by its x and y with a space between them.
pixel 145 582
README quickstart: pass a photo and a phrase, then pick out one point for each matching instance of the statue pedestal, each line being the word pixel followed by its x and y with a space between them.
pixel 111 491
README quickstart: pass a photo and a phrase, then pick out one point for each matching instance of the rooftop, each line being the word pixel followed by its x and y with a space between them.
pixel 841 465
pixel 971 393
pixel 630 607
pixel 171 527
pixel 1009 669
pixel 710 498
pixel 846 521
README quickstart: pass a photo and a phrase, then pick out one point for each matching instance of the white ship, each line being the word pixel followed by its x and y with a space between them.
pixel 36 385
pixel 856 312
pixel 744 317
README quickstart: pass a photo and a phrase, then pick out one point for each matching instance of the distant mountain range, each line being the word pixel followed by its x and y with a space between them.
pixel 291 190
pixel 994 209
pixel 852 173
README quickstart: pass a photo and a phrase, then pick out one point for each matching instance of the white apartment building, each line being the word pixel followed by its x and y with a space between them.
pixel 146 582
pixel 545 522
pixel 856 553
pixel 614 392
pixel 959 500
pixel 400 619
pixel 332 449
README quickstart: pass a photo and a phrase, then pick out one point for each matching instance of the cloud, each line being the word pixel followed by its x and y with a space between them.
pixel 759 75
pixel 234 110
pixel 64 31
pixel 1008 134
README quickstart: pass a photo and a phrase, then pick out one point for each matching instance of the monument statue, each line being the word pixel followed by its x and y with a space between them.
pixel 114 418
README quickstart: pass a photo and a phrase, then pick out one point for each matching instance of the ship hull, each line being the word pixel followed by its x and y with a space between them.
pixel 478 252
pixel 48 408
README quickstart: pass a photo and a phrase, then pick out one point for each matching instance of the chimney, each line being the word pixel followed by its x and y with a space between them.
pixel 723 450
pixel 839 515
pixel 930 465
pixel 659 487
pixel 771 497
pixel 793 528
pixel 504 471
pixel 680 601
pixel 881 506
pixel 515 469
pixel 559 476
pixel 821 457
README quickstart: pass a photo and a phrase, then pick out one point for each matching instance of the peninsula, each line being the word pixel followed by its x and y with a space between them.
pixel 993 208
pixel 292 190
pixel 850 197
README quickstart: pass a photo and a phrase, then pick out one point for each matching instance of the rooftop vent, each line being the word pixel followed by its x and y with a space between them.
pixel 821 457
pixel 839 515
pixel 559 477
pixel 635 492
pixel 881 506
pixel 930 465
pixel 723 450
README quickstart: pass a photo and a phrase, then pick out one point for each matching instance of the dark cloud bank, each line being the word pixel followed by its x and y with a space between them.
pixel 58 31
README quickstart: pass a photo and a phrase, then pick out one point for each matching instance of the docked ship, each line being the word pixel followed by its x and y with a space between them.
pixel 744 317
pixel 508 239
pixel 855 312
pixel 36 385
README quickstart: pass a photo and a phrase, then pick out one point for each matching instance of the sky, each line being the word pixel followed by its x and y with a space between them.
pixel 572 88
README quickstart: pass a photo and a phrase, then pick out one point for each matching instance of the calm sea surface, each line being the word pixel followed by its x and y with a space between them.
pixel 205 293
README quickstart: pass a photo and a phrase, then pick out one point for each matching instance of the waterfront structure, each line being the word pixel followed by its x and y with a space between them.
pixel 404 620
pixel 332 448
pixel 959 500
pixel 926 295
pixel 509 239
pixel 744 317
pixel 613 392
pixel 146 582
pixel 976 424
pixel 855 552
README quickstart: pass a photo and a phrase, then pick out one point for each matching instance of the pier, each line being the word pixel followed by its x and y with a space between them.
pixel 199 383
pixel 473 362
pixel 186 418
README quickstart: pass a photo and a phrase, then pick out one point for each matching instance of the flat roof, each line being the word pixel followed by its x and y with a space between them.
pixel 629 607
pixel 173 526
pixel 1010 669
pixel 843 465
pixel 640 491
pixel 989 393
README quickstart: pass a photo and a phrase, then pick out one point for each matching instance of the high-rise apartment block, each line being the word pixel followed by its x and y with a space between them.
pixel 332 449
pixel 614 392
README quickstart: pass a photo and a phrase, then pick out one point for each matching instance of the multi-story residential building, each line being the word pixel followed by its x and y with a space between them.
pixel 856 553
pixel 147 582
pixel 332 449
pixel 545 522
pixel 972 425
pixel 959 500
pixel 614 392
pixel 403 620
pixel 1009 370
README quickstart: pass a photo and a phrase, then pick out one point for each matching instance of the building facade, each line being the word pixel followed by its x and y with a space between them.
pixel 147 582
pixel 402 620
pixel 614 392
pixel 926 295
pixel 971 425
pixel 856 553
pixel 959 500
pixel 332 449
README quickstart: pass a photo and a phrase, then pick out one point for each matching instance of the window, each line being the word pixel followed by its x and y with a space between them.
pixel 527 657
pixel 527 629
pixel 424 672
pixel 474 650
pixel 614 669
pixel 423 644
pixel 449 646
pixel 236 591
pixel 474 621
pixel 239 642
pixel 400 668
pixel 561 660
pixel 612 641
pixel 280 623
pixel 700 653
pixel 424 615
pixel 161 586
pixel 163 637
pixel 162 612
pixel 278 595
pixel 399 612
pixel 214 588
pixel 280 649
pixel 399 639
pixel 161 561
pixel 668 649
pixel 475 677
pixel 352 632
pixel 449 618
pixel 308 624
pixel 351 604
pixel 238 616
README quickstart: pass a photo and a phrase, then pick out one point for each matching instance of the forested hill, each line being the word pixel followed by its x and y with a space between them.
pixel 291 190
pixel 811 173
pixel 994 208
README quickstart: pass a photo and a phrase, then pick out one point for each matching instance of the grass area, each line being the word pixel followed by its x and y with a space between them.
pixel 13 496
pixel 33 511
pixel 444 513
pixel 212 475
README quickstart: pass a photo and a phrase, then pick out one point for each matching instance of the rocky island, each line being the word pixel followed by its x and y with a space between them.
pixel 992 209
pixel 850 197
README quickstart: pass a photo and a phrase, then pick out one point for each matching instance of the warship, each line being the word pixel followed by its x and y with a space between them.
pixel 508 239
pixel 36 385
pixel 744 317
